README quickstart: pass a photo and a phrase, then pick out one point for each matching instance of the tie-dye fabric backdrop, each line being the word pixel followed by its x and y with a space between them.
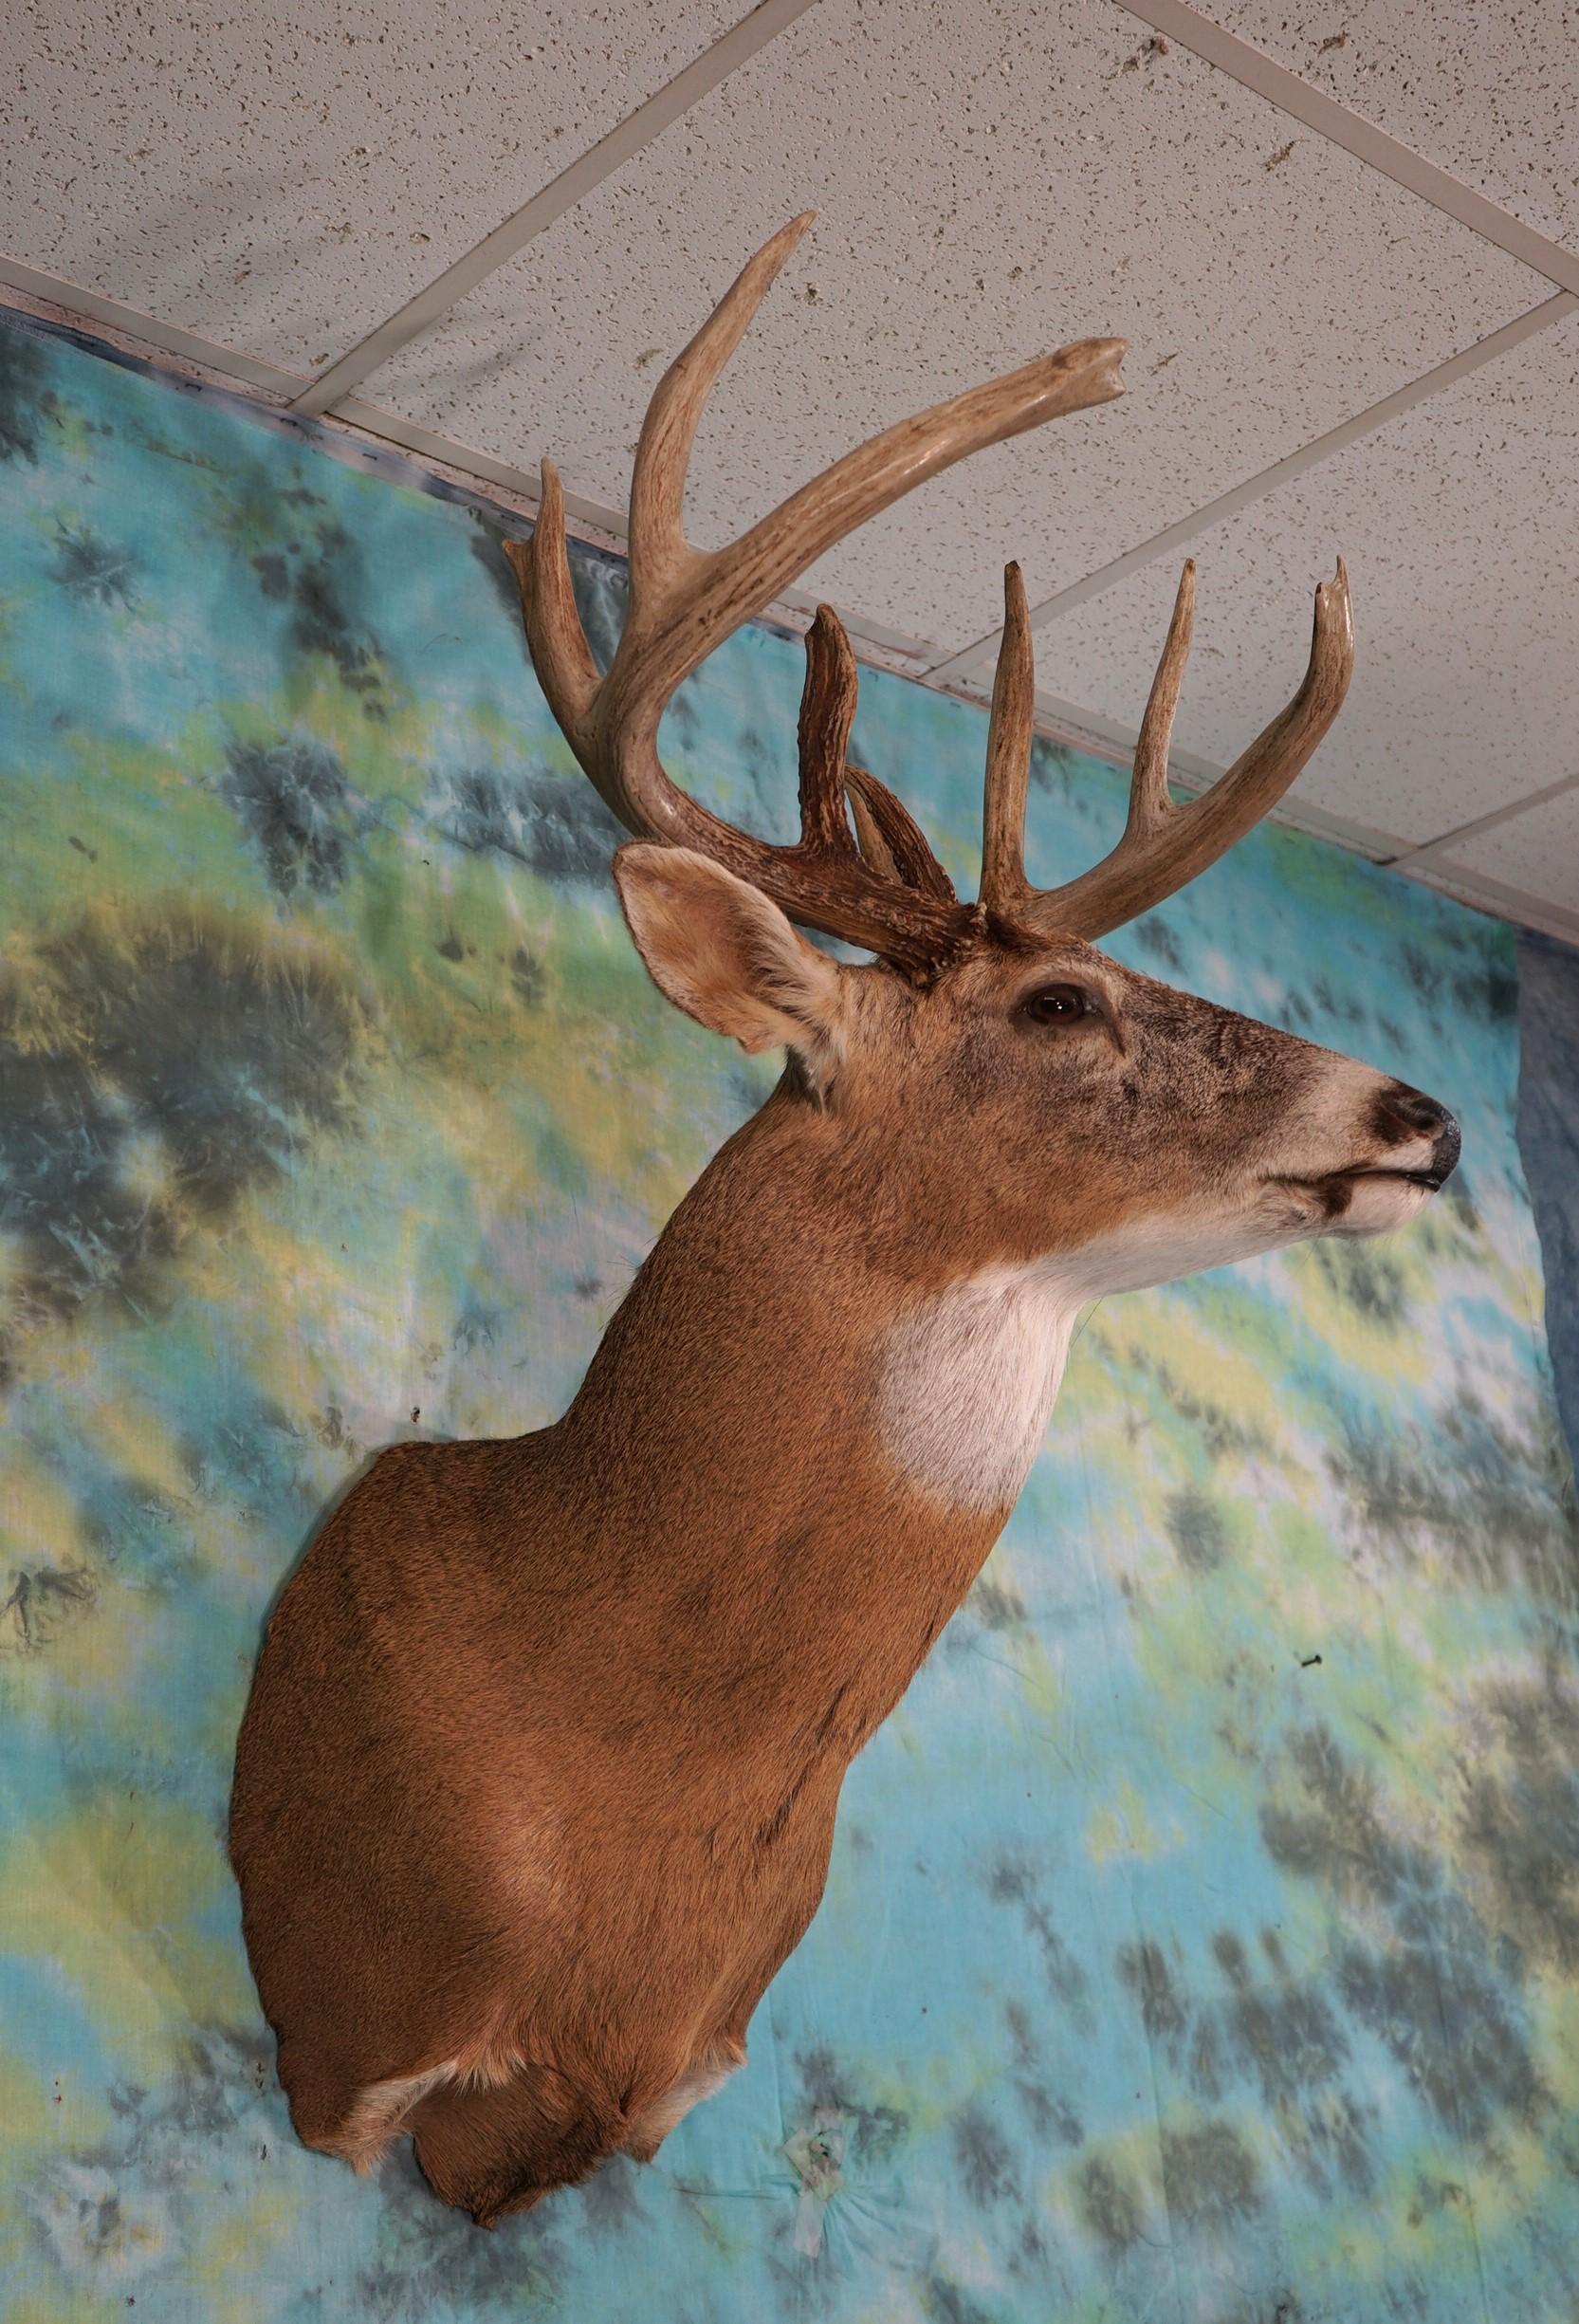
pixel 1203 1935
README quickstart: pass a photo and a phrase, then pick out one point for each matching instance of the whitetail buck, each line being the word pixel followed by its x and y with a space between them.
pixel 537 1783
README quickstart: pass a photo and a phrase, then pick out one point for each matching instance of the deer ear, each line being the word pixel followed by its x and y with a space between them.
pixel 721 951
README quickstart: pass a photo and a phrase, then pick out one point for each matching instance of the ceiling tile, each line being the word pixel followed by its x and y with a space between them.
pixel 1488 94
pixel 990 181
pixel 1537 852
pixel 278 180
pixel 1461 525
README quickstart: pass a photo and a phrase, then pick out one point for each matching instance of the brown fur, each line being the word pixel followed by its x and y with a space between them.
pixel 538 1778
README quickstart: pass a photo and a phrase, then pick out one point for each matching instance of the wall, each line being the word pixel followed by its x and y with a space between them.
pixel 1203 1932
pixel 1549 1141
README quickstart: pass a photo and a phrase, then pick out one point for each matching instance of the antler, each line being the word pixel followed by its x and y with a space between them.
pixel 890 895
pixel 1163 845
pixel 880 887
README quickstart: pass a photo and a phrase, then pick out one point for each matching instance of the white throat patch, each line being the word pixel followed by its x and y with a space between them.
pixel 966 1385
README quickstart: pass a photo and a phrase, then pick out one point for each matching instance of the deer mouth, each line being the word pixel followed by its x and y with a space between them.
pixel 1335 1189
pixel 1432 1180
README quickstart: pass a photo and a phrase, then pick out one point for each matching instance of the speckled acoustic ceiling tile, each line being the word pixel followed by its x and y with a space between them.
pixel 1489 94
pixel 1538 852
pixel 1461 525
pixel 990 183
pixel 278 179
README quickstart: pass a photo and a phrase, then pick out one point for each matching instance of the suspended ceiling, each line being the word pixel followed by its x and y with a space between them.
pixel 1344 243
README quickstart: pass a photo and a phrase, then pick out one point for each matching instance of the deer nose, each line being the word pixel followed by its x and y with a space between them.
pixel 1417 1116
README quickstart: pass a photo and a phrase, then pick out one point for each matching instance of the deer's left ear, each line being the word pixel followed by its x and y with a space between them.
pixel 726 955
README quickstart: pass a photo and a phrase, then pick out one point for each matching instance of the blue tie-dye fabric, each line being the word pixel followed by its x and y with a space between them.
pixel 1203 1935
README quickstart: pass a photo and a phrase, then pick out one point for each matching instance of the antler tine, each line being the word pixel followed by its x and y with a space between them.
pixel 891 840
pixel 1150 802
pixel 660 553
pixel 827 715
pixel 661 559
pixel 1164 846
pixel 869 832
pixel 560 654
pixel 1009 775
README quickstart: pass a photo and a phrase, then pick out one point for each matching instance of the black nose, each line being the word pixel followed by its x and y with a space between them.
pixel 1416 1112
pixel 1412 1112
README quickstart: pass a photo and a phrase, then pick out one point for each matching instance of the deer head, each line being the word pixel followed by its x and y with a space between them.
pixel 1023 1102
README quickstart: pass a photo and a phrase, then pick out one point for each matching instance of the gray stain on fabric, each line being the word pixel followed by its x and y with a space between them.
pixel 526 975
pixel 485 542
pixel 996 1603
pixel 1209 2177
pixel 983 2159
pixel 1057 771
pixel 944 2302
pixel 1195 1527
pixel 1519 1823
pixel 1283 2036
pixel 42 1599
pixel 92 571
pixel 1464 973
pixel 1163 950
pixel 430 2259
pixel 317 577
pixel 1049 2113
pixel 28 403
pixel 192 1042
pixel 1448 2027
pixel 1010 1881
pixel 555 825
pixel 1110 2205
pixel 1144 1970
pixel 295 804
pixel 1222 1432
pixel 1435 1989
pixel 1490 1497
pixel 610 2200
pixel 1367 1279
pixel 874 2134
pixel 96 2202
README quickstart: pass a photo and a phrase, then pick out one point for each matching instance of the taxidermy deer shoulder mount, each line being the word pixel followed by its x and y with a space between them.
pixel 537 1783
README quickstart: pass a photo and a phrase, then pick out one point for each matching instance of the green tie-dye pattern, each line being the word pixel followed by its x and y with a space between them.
pixel 1203 1931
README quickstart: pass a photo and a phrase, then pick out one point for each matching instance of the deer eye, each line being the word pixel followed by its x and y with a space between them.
pixel 1060 1004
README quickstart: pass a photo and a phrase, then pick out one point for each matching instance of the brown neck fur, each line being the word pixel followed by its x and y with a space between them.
pixel 724 1436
